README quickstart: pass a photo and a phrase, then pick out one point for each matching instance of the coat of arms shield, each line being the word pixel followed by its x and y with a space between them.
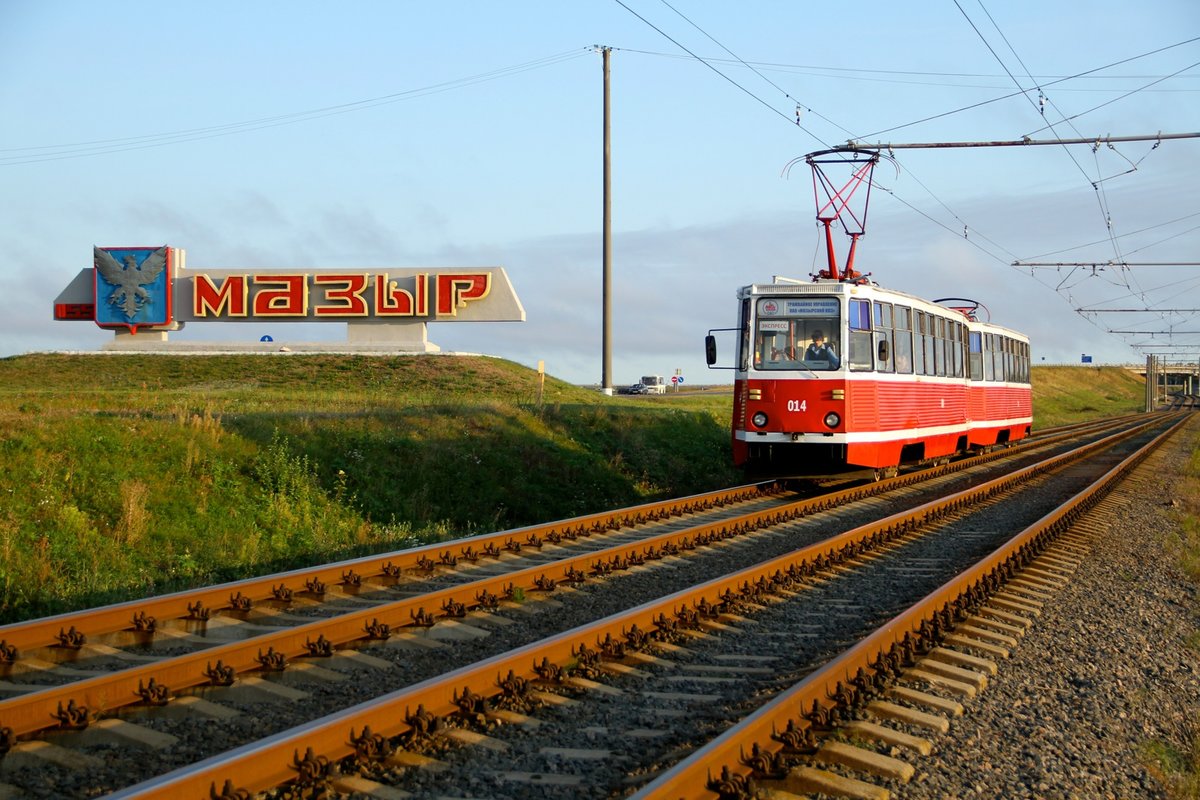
pixel 133 286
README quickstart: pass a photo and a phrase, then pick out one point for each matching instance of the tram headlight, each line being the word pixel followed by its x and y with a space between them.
pixel 832 420
pixel 759 419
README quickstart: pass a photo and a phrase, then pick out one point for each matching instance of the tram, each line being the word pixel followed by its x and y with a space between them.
pixel 840 373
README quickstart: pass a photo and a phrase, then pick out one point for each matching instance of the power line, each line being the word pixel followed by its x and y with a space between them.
pixel 752 69
pixel 1122 97
pixel 1131 233
pixel 757 99
pixel 1094 142
pixel 1040 107
pixel 58 152
pixel 747 65
pixel 824 71
pixel 1044 85
pixel 786 94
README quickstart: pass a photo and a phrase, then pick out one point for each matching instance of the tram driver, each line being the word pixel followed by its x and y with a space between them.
pixel 818 350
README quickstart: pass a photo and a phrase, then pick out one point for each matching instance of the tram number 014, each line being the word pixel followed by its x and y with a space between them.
pixel 797 405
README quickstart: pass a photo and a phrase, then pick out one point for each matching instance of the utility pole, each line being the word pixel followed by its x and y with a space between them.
pixel 606 376
pixel 1149 383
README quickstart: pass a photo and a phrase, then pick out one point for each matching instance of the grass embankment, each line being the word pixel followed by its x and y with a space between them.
pixel 1062 395
pixel 131 475
pixel 127 475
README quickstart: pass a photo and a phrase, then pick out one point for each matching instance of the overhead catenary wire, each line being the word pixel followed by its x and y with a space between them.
pixel 1097 183
pixel 1046 84
pixel 763 102
pixel 748 66
pixel 1106 263
pixel 1075 277
pixel 1174 74
pixel 976 237
pixel 864 74
pixel 751 94
pixel 1090 140
pixel 1130 233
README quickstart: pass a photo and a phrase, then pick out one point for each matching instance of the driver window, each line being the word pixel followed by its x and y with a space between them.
pixel 797 333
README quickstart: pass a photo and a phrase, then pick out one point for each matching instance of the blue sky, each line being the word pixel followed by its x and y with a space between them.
pixel 307 134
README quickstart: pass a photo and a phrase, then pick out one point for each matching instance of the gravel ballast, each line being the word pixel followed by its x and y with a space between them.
pixel 1102 677
pixel 1103 671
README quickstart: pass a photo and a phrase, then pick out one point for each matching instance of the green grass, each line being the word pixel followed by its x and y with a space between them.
pixel 128 475
pixel 1062 395
pixel 1178 771
pixel 131 475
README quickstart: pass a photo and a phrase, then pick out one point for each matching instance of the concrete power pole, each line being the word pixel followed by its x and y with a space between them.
pixel 1151 383
pixel 606 377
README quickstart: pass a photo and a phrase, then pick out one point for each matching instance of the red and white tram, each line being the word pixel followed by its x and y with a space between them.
pixel 909 380
pixel 900 379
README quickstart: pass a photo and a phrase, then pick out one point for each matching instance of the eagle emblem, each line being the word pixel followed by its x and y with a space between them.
pixel 132 287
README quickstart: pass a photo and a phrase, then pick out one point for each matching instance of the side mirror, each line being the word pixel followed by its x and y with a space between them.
pixel 710 349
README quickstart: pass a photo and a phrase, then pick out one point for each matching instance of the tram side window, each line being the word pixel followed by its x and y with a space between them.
pixel 989 344
pixel 902 350
pixel 960 340
pixel 975 357
pixel 940 345
pixel 952 344
pixel 859 352
pixel 919 342
pixel 932 357
pixel 885 360
pixel 956 347
pixel 929 343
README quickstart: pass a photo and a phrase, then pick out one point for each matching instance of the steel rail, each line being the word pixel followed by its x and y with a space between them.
pixel 277 759
pixel 138 615
pixel 45 631
pixel 726 755
pixel 39 711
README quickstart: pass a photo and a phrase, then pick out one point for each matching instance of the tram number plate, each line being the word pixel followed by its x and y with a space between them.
pixel 797 405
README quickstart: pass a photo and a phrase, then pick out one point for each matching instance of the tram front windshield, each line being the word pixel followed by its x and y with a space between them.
pixel 785 329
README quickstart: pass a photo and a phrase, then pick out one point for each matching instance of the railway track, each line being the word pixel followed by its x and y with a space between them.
pixel 334 586
pixel 305 661
pixel 265 622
